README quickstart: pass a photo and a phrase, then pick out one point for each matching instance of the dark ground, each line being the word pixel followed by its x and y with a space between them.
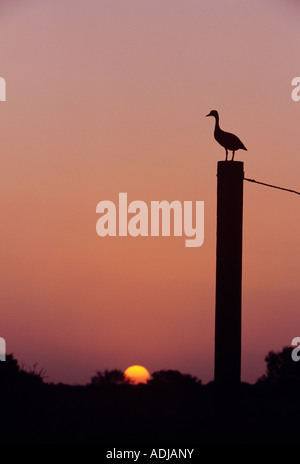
pixel 174 409
pixel 149 414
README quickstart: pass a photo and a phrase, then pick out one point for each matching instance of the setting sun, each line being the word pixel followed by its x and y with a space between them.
pixel 137 374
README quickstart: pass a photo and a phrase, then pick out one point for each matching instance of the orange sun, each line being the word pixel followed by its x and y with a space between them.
pixel 137 374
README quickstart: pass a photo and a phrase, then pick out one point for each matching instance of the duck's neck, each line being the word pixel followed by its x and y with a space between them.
pixel 217 122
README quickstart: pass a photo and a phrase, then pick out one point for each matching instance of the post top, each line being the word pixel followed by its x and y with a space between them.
pixel 231 168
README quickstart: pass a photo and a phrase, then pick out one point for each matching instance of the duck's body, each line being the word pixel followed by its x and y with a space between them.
pixel 227 140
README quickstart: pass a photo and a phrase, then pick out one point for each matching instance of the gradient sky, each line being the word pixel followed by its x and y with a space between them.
pixel 109 96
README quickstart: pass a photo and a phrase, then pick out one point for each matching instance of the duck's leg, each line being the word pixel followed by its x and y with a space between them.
pixel 226 159
pixel 232 155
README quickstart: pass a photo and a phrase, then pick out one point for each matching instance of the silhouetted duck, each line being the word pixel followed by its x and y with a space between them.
pixel 226 139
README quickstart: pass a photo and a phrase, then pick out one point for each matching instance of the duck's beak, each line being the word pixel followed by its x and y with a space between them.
pixel 208 114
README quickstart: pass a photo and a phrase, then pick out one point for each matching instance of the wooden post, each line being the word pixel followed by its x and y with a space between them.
pixel 229 273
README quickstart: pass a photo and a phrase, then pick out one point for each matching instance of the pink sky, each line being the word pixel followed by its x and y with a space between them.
pixel 111 96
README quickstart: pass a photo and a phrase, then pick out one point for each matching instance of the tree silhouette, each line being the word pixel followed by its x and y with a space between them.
pixel 11 374
pixel 10 367
pixel 281 369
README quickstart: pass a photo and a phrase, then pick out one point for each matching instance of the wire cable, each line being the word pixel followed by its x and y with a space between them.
pixel 273 186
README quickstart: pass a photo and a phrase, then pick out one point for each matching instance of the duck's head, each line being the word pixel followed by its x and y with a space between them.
pixel 213 113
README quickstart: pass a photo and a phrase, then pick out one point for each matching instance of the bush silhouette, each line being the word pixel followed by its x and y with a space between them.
pixel 113 377
pixel 173 377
